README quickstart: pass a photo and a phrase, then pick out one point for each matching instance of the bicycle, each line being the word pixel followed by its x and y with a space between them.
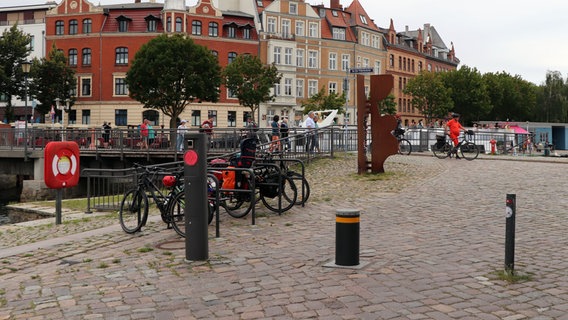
pixel 134 206
pixel 444 148
pixel 404 146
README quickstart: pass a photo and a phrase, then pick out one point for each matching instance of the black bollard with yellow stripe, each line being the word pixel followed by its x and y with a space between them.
pixel 347 237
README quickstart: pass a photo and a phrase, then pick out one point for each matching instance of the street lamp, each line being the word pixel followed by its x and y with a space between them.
pixel 63 108
pixel 26 66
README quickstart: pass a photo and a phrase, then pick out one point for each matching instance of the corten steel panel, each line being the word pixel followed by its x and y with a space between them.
pixel 385 143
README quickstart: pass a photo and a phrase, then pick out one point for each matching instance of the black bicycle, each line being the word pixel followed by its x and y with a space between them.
pixel 444 148
pixel 134 207
pixel 404 146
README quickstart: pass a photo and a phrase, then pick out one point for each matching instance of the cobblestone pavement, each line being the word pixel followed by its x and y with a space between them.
pixel 431 246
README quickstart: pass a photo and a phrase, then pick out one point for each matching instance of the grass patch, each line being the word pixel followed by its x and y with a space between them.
pixel 512 277
pixel 375 176
pixel 145 249
pixel 103 265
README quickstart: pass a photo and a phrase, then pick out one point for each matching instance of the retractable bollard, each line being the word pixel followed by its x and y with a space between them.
pixel 347 237
pixel 510 233
pixel 195 188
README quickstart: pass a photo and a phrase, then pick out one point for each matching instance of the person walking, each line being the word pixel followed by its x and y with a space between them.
pixel 310 125
pixel 207 127
pixel 151 133
pixel 180 135
pixel 315 140
pixel 144 134
pixel 275 136
pixel 106 134
pixel 284 133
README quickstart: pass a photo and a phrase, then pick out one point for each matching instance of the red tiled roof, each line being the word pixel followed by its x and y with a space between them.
pixel 356 10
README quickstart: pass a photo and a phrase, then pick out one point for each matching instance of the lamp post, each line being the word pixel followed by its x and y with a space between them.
pixel 63 108
pixel 26 66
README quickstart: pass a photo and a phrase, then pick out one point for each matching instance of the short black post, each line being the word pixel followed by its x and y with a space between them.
pixel 196 206
pixel 510 234
pixel 347 237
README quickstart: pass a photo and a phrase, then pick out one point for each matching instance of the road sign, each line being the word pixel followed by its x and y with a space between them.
pixel 360 70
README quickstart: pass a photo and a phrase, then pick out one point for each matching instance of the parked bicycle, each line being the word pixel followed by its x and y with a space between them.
pixel 134 207
pixel 404 146
pixel 444 148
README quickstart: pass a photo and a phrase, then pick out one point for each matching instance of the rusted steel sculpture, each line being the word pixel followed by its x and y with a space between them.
pixel 384 143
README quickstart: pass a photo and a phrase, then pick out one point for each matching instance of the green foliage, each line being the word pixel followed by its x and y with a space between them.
pixel 171 71
pixel 552 102
pixel 250 81
pixel 468 93
pixel 430 95
pixel 14 50
pixel 51 78
pixel 512 97
pixel 323 101
pixel 387 105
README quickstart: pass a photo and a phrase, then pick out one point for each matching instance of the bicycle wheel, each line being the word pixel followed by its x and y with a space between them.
pixel 133 212
pixel 289 194
pixel 303 194
pixel 469 151
pixel 238 204
pixel 441 151
pixel 404 147
pixel 177 213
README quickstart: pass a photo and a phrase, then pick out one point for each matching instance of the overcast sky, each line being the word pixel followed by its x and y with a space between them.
pixel 520 37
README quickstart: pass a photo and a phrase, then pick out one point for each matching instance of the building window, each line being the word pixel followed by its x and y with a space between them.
pixel 286 29
pixel 87 25
pixel 212 114
pixel 365 39
pixel 178 24
pixel 271 25
pixel 333 61
pixel 86 117
pixel 72 116
pixel 277 52
pixel 231 31
pixel 288 86
pixel 59 28
pixel 120 117
pixel 232 119
pixel 313 31
pixel 332 87
pixel 300 28
pixel 169 24
pixel 196 27
pixel 195 118
pixel 260 4
pixel 123 23
pixel 151 24
pixel 85 87
pixel 73 26
pixel 277 92
pixel 232 56
pixel 120 87
pixel 121 55
pixel 300 88
pixel 375 42
pixel 32 42
pixel 377 67
pixel 312 87
pixel 363 19
pixel 86 56
pixel 419 66
pixel 73 57
pixel 312 59
pixel 338 33
pixel 246 33
pixel 391 61
pixel 293 8
pixel 299 57
pixel 365 62
pixel 345 62
pixel 213 29
pixel 288 56
pixel 215 53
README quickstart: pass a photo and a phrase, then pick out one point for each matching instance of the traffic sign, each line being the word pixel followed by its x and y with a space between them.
pixel 360 70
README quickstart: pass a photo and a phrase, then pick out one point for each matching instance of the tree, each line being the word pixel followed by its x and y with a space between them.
pixel 429 95
pixel 14 50
pixel 552 105
pixel 250 81
pixel 468 93
pixel 323 101
pixel 512 97
pixel 52 78
pixel 170 71
pixel 387 105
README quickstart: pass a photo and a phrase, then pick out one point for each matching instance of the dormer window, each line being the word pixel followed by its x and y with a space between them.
pixel 293 8
pixel 151 23
pixel 363 19
pixel 334 13
pixel 259 3
pixel 123 22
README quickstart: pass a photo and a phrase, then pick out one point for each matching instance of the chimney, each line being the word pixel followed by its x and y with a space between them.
pixel 334 4
pixel 137 1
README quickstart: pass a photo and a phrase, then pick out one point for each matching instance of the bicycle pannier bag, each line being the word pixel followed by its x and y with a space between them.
pixel 229 178
pixel 440 140
pixel 271 190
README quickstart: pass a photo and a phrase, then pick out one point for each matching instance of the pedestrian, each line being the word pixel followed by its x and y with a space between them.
pixel 284 133
pixel 207 127
pixel 106 134
pixel 310 125
pixel 275 134
pixel 180 135
pixel 151 133
pixel 251 128
pixel 315 140
pixel 144 134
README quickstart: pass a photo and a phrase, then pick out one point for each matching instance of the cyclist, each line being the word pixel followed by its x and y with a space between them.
pixel 454 127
